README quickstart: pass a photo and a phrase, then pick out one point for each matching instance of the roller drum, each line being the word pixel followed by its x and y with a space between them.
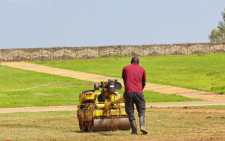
pixel 111 124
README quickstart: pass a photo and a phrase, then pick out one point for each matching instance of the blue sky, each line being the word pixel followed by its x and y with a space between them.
pixel 78 23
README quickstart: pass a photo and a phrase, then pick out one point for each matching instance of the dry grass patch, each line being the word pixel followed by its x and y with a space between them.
pixel 162 123
pixel 188 111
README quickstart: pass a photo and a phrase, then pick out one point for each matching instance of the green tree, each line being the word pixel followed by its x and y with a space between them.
pixel 218 34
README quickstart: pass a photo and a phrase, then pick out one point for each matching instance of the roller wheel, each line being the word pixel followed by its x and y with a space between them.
pixel 83 126
pixel 90 126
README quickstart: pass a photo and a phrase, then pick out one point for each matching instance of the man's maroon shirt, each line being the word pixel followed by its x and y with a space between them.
pixel 133 76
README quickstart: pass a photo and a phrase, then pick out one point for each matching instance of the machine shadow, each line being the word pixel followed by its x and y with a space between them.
pixel 102 133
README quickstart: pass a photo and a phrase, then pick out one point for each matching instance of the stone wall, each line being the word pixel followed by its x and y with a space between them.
pixel 56 53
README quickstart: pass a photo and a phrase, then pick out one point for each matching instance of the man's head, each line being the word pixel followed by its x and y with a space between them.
pixel 135 60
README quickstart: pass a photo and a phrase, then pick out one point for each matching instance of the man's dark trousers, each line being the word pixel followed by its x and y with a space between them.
pixel 139 100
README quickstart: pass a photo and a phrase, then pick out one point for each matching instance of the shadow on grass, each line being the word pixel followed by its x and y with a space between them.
pixel 103 133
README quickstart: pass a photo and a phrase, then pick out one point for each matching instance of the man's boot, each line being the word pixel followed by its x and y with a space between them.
pixel 142 124
pixel 133 127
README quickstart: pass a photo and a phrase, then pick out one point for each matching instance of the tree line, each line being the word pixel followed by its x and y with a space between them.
pixel 218 34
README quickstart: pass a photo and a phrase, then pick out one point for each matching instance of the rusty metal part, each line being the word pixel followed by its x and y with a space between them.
pixel 84 115
pixel 83 126
pixel 110 124
pixel 90 126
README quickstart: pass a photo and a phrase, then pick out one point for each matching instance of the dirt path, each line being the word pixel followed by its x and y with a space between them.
pixel 209 98
pixel 74 107
pixel 38 109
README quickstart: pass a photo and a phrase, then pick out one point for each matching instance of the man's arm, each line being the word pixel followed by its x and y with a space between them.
pixel 143 83
pixel 143 80
pixel 123 76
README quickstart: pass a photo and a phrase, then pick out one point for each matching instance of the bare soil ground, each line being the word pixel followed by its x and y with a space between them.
pixel 166 124
pixel 194 111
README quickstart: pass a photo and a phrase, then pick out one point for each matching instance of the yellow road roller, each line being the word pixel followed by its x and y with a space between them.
pixel 102 110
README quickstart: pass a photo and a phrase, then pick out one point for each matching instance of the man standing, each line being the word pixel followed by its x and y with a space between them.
pixel 134 79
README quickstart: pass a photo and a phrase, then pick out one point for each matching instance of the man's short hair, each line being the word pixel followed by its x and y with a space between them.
pixel 135 60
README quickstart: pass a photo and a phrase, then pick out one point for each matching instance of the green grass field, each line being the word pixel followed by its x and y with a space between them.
pixel 20 88
pixel 164 124
pixel 204 72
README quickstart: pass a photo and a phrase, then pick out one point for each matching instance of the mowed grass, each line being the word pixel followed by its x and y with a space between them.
pixel 164 124
pixel 20 88
pixel 204 72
